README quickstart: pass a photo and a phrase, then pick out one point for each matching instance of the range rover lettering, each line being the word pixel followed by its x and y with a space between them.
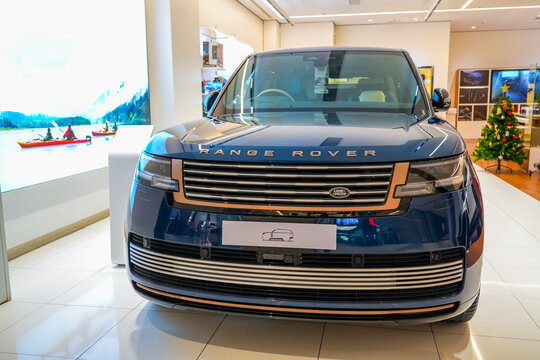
pixel 342 144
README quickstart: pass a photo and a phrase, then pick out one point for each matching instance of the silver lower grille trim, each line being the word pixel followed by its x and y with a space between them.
pixel 298 277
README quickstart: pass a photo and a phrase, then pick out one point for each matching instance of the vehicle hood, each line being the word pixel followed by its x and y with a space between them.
pixel 313 136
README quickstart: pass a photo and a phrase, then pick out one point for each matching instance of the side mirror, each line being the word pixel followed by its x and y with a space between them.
pixel 210 100
pixel 441 99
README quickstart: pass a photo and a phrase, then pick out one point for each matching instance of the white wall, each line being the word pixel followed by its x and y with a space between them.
pixel 489 49
pixel 36 210
pixel 307 34
pixel 271 35
pixel 428 43
pixel 234 19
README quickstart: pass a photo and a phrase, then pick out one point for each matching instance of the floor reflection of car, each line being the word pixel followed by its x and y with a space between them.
pixel 278 235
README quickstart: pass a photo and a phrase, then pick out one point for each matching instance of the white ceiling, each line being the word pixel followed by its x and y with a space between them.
pixel 483 14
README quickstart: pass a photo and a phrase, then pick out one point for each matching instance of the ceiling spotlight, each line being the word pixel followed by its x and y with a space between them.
pixel 473 27
pixel 370 20
pixel 415 19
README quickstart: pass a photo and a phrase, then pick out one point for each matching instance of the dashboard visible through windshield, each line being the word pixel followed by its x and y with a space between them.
pixel 340 80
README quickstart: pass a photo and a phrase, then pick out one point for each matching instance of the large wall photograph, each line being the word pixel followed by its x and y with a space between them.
pixel 68 62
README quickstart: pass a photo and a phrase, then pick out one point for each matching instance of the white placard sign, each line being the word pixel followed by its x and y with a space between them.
pixel 282 235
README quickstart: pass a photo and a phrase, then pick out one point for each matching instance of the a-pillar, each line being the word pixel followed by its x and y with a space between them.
pixel 174 61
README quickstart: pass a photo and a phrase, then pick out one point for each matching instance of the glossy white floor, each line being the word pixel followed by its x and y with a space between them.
pixel 70 302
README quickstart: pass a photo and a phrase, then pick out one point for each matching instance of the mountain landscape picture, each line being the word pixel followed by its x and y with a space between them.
pixel 68 62
pixel 82 69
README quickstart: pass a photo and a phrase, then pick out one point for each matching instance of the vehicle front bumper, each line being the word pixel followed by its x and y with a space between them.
pixel 432 223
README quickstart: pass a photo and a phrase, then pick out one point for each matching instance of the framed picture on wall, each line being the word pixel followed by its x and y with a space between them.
pixel 480 112
pixel 474 78
pixel 473 95
pixel 465 112
pixel 426 72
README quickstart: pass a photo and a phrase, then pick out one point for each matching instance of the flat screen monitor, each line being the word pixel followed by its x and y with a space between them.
pixel 517 80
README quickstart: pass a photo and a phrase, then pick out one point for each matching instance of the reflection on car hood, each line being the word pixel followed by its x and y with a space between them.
pixel 315 136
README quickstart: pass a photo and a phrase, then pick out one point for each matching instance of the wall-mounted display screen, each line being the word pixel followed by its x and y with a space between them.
pixel 68 62
pixel 517 80
pixel 474 78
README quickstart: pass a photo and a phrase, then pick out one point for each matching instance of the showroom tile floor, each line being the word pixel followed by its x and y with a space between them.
pixel 70 302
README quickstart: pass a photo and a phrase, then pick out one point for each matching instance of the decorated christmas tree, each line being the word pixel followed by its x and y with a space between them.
pixel 501 139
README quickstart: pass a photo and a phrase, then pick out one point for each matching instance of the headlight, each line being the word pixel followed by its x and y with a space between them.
pixel 436 176
pixel 155 171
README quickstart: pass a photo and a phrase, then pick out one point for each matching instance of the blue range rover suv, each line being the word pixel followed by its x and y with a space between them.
pixel 322 185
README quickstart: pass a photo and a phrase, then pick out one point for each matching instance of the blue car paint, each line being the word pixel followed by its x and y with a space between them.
pixel 392 136
pixel 428 223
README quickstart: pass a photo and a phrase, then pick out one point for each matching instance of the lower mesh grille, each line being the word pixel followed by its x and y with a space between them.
pixel 382 283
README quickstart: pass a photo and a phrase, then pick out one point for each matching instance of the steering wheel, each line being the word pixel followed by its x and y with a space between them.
pixel 279 91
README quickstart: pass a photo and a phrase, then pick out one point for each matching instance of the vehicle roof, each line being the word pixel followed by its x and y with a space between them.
pixel 328 48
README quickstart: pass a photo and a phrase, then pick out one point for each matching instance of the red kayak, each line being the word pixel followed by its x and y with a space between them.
pixel 103 133
pixel 38 142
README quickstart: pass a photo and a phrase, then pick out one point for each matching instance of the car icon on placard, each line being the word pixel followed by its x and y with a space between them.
pixel 278 235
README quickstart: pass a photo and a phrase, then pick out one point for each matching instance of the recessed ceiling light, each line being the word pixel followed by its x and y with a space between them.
pixel 415 19
pixel 466 4
pixel 411 12
pixel 370 20
pixel 358 14
pixel 273 8
pixel 489 8
pixel 473 27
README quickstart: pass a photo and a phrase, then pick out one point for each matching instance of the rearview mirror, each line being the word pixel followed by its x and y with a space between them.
pixel 210 100
pixel 441 99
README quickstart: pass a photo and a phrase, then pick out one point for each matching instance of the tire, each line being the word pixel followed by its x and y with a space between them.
pixel 468 314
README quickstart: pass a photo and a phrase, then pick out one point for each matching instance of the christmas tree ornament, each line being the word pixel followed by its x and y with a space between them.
pixel 505 89
pixel 509 123
pixel 499 111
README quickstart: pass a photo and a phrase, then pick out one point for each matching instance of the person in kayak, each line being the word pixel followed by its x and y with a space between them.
pixel 48 137
pixel 106 127
pixel 69 134
pixel 115 127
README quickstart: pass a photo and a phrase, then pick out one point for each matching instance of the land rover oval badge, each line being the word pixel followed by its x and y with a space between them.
pixel 339 192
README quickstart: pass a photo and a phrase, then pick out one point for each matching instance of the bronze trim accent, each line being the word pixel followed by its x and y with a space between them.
pixel 296 310
pixel 475 250
pixel 399 177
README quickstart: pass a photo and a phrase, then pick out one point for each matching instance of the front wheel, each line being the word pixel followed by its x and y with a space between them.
pixel 468 314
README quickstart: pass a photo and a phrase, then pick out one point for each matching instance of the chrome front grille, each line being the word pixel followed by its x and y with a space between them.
pixel 286 185
pixel 156 264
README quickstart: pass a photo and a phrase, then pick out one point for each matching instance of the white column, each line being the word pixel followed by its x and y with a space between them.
pixel 271 35
pixel 174 61
pixel 4 273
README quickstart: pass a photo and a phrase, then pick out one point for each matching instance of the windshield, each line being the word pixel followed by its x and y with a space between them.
pixel 370 81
